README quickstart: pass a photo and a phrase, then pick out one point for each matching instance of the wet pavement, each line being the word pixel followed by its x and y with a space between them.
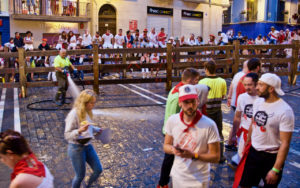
pixel 134 157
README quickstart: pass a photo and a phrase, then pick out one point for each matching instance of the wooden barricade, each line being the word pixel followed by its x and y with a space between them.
pixel 177 58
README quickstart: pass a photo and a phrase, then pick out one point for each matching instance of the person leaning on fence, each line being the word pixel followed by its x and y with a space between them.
pixel 28 171
pixel 62 65
pixel 217 92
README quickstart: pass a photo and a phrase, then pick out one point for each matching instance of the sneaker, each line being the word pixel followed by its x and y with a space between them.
pixel 230 147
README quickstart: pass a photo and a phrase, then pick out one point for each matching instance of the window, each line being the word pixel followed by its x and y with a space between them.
pixel 227 15
pixel 280 11
pixel 251 10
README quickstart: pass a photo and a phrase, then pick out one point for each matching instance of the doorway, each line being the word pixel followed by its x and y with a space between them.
pixel 107 19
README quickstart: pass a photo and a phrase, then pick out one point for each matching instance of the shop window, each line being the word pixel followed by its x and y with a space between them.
pixel 227 15
pixel 280 11
pixel 251 10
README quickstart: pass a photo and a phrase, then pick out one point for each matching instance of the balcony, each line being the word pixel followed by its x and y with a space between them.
pixel 51 10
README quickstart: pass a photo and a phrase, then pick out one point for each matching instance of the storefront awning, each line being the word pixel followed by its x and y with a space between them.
pixel 223 3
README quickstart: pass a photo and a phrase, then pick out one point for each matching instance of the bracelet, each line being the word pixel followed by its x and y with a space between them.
pixel 196 156
pixel 276 170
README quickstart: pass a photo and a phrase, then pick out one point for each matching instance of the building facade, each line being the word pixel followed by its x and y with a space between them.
pixel 48 18
pixel 178 17
pixel 254 17
pixel 4 23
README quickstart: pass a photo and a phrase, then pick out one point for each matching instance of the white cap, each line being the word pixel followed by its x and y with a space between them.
pixel 272 80
pixel 187 92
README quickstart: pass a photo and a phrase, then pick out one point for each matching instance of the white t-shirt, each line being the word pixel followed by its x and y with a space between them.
pixel 119 40
pixel 234 83
pixel 154 59
pixel 245 105
pixel 192 42
pixel 97 40
pixel 73 38
pixel 224 38
pixel 269 120
pixel 274 35
pixel 259 41
pixel 107 38
pixel 191 172
pixel 153 38
pixel 86 40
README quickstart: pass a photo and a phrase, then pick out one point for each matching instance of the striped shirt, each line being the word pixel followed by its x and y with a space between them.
pixel 218 90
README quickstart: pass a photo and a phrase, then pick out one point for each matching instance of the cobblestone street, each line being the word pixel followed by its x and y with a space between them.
pixel 134 157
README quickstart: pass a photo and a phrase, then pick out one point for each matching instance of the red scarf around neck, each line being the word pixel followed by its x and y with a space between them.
pixel 193 123
pixel 29 165
pixel 176 89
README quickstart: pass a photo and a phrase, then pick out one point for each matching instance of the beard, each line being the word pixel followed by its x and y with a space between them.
pixel 190 112
pixel 265 94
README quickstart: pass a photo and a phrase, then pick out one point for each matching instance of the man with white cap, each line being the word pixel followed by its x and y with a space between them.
pixel 194 140
pixel 270 134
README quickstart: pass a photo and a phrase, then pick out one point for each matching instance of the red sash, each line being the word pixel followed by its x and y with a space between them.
pixel 245 131
pixel 240 89
pixel 240 168
pixel 29 165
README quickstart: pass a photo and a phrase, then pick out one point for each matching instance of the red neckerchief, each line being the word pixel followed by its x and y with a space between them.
pixel 176 89
pixel 18 37
pixel 107 34
pixel 29 165
pixel 193 123
pixel 128 37
pixel 44 44
pixel 120 34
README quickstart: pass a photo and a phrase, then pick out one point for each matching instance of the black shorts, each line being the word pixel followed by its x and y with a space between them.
pixel 257 166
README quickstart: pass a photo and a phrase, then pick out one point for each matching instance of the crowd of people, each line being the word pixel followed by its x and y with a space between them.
pixel 261 133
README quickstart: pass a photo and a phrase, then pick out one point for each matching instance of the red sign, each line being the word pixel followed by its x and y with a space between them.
pixel 0 22
pixel 132 25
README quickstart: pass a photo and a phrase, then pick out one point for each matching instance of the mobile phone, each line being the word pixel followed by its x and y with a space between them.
pixel 179 149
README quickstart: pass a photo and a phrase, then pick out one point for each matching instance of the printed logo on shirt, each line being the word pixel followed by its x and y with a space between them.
pixel 187 89
pixel 248 110
pixel 187 141
pixel 260 119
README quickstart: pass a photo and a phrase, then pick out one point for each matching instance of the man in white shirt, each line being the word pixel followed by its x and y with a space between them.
pixel 273 34
pixel 153 39
pixel 194 140
pixel 270 134
pixel 119 40
pixel 192 41
pixel 223 38
pixel 107 39
pixel 243 114
pixel 97 38
pixel 87 40
pixel 144 39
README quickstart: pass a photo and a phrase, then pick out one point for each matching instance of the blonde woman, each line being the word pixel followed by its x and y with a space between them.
pixel 79 132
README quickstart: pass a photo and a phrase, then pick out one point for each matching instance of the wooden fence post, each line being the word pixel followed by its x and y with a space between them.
pixel 228 55
pixel 124 61
pixel 177 60
pixel 169 67
pixel 22 72
pixel 294 64
pixel 96 68
pixel 236 57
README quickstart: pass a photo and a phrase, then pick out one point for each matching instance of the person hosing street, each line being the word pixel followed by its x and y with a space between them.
pixel 62 65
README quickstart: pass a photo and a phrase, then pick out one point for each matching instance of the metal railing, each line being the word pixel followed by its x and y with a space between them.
pixel 51 8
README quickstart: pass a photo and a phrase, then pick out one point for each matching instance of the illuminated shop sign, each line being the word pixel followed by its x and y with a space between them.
pixel 160 11
pixel 191 14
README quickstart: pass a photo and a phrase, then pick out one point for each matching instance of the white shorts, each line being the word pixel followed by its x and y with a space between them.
pixel 58 46
pixel 162 45
pixel 151 45
pixel 28 47
pixel 144 44
pixel 116 46
pixel 72 46
pixel 179 184
pixel 241 145
pixel 107 45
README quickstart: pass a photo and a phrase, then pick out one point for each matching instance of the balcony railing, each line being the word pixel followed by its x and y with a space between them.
pixel 72 8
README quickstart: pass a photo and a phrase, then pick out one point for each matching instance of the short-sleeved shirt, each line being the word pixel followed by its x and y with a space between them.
pixel 269 120
pixel 107 38
pixel 192 172
pixel 61 63
pixel 119 39
pixel 218 89
pixel 234 83
pixel 245 105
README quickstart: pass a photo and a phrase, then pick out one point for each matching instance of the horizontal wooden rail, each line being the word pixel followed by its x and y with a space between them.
pixel 270 46
pixel 202 48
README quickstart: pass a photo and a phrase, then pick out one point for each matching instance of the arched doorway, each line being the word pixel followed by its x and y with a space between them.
pixel 107 19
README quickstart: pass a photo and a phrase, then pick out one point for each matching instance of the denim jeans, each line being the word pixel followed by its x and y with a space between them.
pixel 80 154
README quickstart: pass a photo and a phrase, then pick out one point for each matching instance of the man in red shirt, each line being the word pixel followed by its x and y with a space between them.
pixel 162 38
